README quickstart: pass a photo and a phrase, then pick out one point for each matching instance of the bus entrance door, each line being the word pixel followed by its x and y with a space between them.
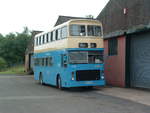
pixel 64 60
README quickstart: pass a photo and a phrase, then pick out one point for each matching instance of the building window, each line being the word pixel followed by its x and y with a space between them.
pixel 112 46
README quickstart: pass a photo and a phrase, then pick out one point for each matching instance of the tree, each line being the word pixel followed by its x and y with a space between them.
pixel 3 63
pixel 89 16
pixel 1 37
pixel 12 47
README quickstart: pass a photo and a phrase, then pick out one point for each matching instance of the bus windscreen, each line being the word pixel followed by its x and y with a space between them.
pixel 85 57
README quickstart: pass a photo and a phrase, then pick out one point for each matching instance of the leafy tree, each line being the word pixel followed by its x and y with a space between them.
pixel 89 16
pixel 12 47
pixel 1 37
pixel 3 63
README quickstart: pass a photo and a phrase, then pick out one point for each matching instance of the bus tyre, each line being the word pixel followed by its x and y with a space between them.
pixel 89 87
pixel 59 85
pixel 41 79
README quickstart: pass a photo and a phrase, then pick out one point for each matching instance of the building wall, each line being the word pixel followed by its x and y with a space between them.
pixel 30 50
pixel 114 19
pixel 26 62
pixel 115 65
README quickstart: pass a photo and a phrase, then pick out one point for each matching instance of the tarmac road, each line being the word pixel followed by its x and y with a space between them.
pixel 21 94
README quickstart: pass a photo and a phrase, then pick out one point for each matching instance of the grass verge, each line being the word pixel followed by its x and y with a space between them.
pixel 14 70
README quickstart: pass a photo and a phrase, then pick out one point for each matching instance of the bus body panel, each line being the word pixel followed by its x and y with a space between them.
pixel 52 49
pixel 50 73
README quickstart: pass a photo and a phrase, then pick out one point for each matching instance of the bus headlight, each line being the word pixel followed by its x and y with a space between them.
pixel 102 77
pixel 72 76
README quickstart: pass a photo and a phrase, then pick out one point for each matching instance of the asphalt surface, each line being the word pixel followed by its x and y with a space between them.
pixel 21 94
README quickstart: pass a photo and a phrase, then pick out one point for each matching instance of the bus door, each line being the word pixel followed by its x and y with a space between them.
pixel 64 60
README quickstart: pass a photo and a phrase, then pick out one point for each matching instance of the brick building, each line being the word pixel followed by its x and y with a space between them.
pixel 126 25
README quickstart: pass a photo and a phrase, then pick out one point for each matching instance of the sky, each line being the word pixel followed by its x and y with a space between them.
pixel 42 14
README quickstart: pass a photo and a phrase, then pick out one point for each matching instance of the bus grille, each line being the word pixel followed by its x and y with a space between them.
pixel 87 75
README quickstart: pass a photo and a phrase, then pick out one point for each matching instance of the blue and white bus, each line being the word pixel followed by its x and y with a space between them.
pixel 70 55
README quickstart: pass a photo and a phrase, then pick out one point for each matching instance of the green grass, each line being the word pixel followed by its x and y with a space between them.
pixel 14 70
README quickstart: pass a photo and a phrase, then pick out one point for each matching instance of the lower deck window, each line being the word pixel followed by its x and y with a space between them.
pixel 95 57
pixel 43 61
pixel 78 57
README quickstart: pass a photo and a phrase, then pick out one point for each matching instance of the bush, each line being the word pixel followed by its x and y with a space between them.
pixel 3 64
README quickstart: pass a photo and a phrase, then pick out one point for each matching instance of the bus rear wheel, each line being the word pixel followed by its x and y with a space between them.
pixel 41 79
pixel 89 87
pixel 59 83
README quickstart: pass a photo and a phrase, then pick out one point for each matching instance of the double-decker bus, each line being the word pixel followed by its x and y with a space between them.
pixel 70 55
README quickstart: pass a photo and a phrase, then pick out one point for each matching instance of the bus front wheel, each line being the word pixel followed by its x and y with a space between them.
pixel 41 79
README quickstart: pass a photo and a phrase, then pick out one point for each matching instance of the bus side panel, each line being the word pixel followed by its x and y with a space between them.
pixel 50 72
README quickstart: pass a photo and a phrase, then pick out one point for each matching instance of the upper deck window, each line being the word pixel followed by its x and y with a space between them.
pixel 47 37
pixel 94 30
pixel 39 40
pixel 36 41
pixel 58 34
pixel 51 38
pixel 53 35
pixel 64 32
pixel 43 39
pixel 77 30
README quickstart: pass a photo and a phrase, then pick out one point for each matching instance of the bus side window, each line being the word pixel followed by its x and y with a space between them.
pixel 40 40
pixel 51 38
pixel 35 61
pixel 46 62
pixel 50 61
pixel 47 37
pixel 38 62
pixel 54 35
pixel 43 38
pixel 64 32
pixel 42 61
pixel 64 60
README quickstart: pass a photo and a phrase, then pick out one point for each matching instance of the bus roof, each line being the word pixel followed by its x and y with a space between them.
pixel 68 22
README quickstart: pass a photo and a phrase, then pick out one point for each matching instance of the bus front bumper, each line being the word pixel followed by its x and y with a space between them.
pixel 84 83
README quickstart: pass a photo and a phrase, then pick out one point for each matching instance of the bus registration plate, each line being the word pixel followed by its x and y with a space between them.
pixel 89 82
